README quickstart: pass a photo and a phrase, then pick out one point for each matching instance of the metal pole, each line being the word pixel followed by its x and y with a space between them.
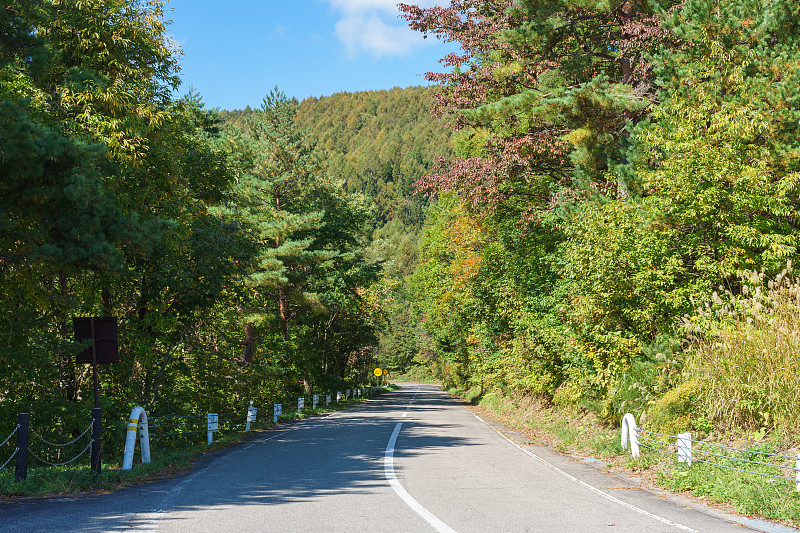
pixel 97 439
pixel 94 363
pixel 21 470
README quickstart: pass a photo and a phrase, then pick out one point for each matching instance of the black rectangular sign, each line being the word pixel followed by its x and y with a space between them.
pixel 105 339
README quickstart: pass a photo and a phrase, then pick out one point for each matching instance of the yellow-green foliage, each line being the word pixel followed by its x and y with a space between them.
pixel 677 410
pixel 746 355
pixel 572 391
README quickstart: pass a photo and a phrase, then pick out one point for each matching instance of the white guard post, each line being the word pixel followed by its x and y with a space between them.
pixel 251 415
pixel 212 423
pixel 130 440
pixel 629 428
pixel 685 448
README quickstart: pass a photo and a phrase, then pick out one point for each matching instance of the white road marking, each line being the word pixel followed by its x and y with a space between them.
pixel 279 434
pixel 388 471
pixel 592 488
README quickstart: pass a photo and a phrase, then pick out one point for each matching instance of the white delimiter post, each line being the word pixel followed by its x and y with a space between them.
pixel 251 416
pixel 278 411
pixel 685 448
pixel 212 425
pixel 797 471
pixel 629 430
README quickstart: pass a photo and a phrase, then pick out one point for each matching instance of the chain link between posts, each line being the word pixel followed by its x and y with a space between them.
pixel 11 435
pixel 641 432
pixel 65 462
pixel 9 459
pixel 15 449
pixel 89 427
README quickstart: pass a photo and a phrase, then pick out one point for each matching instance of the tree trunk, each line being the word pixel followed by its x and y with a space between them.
pixel 284 309
pixel 307 382
pixel 249 345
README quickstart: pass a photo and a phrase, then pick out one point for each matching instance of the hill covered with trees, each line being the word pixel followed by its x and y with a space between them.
pixel 610 168
pixel 379 144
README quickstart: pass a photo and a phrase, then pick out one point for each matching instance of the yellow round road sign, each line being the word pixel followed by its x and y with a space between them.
pixel 378 372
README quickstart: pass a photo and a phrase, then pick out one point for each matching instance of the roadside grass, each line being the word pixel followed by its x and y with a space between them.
pixel 167 460
pixel 578 432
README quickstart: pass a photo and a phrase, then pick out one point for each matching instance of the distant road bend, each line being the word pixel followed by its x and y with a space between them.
pixel 406 461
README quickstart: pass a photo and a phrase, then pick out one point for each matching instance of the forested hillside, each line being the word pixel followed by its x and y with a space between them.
pixel 617 166
pixel 380 143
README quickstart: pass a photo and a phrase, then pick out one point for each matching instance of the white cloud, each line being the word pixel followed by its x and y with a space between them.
pixel 374 27
pixel 279 30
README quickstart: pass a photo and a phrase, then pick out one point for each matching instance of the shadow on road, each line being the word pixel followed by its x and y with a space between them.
pixel 302 461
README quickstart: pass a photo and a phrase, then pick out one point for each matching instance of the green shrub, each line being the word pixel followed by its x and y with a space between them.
pixel 678 410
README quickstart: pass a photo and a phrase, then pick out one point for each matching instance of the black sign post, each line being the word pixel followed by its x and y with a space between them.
pixel 102 331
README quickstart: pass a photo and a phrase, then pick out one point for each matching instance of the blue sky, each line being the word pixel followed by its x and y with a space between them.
pixel 235 51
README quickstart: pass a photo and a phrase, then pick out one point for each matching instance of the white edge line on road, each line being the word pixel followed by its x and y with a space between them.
pixel 592 488
pixel 388 471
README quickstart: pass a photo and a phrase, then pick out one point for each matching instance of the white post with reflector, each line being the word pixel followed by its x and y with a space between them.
pixel 212 425
pixel 137 416
pixel 251 415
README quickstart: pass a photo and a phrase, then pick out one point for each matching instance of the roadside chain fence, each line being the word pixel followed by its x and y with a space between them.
pixel 14 453
pixel 59 447
pixel 50 453
pixel 689 450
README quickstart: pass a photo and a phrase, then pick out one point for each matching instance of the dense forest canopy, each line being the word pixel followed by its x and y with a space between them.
pixel 616 164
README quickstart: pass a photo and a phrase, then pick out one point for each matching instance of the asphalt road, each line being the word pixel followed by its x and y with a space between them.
pixel 409 460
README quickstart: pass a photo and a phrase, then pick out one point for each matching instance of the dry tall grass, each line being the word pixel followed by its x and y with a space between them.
pixel 745 353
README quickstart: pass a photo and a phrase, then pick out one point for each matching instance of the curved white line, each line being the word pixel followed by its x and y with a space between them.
pixel 388 471
pixel 591 488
